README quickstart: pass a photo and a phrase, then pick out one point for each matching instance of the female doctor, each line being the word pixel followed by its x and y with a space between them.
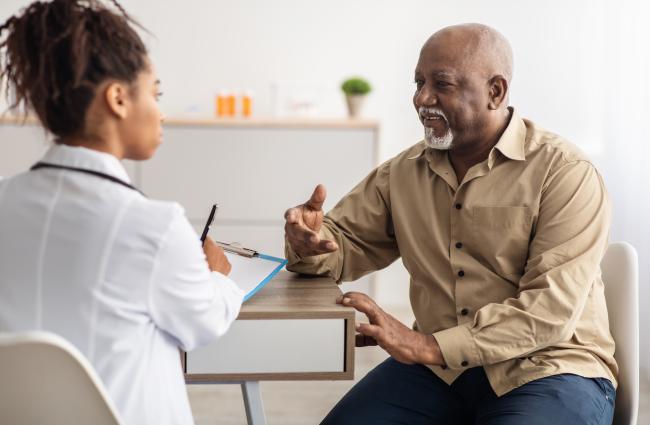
pixel 83 254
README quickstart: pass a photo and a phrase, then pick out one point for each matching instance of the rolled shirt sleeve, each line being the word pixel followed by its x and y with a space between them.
pixel 564 257
pixel 186 299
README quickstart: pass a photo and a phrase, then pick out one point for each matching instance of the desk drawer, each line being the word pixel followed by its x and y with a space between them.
pixel 274 349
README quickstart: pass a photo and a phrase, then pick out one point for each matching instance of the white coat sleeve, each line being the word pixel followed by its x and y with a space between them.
pixel 187 300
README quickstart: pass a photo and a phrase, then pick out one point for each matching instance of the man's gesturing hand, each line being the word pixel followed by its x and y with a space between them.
pixel 403 344
pixel 303 224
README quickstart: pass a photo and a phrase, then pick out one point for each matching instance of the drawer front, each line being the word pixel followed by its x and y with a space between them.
pixel 274 346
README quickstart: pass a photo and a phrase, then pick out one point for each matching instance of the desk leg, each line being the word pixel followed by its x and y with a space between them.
pixel 253 403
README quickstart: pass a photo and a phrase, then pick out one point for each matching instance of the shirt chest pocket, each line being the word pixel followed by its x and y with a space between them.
pixel 501 235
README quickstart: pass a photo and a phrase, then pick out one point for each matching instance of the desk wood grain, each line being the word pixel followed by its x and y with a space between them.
pixel 293 296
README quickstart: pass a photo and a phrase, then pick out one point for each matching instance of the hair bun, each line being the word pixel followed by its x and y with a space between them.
pixel 54 58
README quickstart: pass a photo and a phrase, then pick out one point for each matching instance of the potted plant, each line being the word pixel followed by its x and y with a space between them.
pixel 355 90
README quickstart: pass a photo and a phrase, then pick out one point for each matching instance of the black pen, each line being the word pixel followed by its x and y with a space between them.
pixel 206 229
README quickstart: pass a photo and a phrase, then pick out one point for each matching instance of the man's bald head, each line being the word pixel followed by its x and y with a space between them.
pixel 477 46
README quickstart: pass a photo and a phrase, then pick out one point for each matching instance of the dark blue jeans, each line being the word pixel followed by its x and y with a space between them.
pixel 395 393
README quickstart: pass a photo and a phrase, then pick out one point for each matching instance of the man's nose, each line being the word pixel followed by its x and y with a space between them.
pixel 426 97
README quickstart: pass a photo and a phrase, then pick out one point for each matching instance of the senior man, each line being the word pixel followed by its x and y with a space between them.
pixel 501 226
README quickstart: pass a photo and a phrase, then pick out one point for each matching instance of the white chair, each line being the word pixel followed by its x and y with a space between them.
pixel 620 268
pixel 45 380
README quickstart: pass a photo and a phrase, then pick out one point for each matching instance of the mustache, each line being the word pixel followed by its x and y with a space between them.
pixel 424 112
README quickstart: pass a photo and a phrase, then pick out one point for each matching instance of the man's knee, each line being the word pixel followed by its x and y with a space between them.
pixel 396 393
pixel 561 399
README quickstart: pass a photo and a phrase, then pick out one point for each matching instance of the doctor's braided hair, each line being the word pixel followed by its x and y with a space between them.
pixel 56 53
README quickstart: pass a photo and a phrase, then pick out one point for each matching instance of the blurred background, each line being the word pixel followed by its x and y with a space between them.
pixel 582 70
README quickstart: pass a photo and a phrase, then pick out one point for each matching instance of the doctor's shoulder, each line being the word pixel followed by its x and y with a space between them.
pixel 152 219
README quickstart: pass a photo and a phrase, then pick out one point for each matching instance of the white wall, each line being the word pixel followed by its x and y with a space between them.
pixel 204 45
pixel 568 68
pixel 200 46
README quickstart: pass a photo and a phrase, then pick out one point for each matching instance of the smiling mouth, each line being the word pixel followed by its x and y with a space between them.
pixel 430 120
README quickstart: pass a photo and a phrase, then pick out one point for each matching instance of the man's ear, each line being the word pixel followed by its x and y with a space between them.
pixel 116 95
pixel 498 92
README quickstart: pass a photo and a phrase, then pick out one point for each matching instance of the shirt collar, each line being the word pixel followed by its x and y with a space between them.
pixel 420 149
pixel 511 143
pixel 513 140
pixel 89 159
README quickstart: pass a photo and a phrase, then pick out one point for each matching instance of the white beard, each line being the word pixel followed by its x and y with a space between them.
pixel 443 142
pixel 435 142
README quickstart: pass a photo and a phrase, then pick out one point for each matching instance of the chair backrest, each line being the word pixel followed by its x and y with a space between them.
pixel 620 268
pixel 45 380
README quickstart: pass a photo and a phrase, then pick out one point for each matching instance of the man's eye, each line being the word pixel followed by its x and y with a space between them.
pixel 419 84
pixel 159 95
pixel 443 84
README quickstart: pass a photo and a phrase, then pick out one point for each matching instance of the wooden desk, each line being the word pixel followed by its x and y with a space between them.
pixel 291 330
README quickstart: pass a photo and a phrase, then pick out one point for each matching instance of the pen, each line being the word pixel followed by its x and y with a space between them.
pixel 237 249
pixel 206 229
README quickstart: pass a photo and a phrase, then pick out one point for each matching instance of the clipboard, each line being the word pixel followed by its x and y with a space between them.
pixel 251 270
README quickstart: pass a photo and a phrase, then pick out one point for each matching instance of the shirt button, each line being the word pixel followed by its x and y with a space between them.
pixel 458 206
pixel 464 363
pixel 461 273
pixel 464 312
pixel 459 245
pixel 443 367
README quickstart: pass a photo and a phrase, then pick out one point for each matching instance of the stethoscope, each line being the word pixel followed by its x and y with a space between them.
pixel 99 174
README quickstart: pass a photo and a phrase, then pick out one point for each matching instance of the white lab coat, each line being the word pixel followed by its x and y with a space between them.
pixel 120 276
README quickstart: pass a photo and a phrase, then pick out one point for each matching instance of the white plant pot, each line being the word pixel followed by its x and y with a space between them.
pixel 355 104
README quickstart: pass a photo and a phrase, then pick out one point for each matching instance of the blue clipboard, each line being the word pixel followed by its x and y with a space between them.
pixel 281 263
pixel 251 270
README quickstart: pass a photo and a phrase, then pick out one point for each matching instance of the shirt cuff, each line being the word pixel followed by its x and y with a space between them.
pixel 458 347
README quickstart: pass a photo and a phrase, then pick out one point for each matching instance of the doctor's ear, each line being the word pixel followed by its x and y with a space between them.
pixel 116 95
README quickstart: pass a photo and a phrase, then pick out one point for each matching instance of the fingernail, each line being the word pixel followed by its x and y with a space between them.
pixel 346 300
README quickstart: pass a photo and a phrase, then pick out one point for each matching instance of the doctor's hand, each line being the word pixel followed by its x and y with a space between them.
pixel 303 224
pixel 402 343
pixel 217 260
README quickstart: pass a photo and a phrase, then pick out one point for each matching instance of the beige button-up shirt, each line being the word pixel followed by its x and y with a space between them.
pixel 504 265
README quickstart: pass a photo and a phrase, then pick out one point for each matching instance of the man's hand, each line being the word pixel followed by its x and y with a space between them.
pixel 217 260
pixel 403 344
pixel 303 224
